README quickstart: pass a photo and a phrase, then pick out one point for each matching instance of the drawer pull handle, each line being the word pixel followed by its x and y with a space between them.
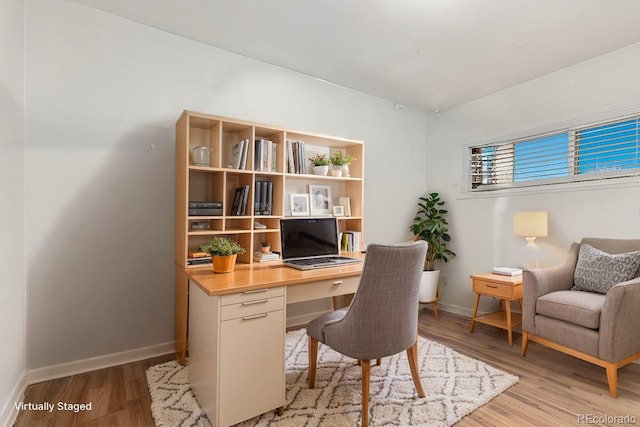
pixel 259 301
pixel 338 282
pixel 492 286
pixel 255 316
pixel 255 291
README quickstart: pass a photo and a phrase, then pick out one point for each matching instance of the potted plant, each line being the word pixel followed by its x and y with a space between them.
pixel 341 163
pixel 320 164
pixel 223 253
pixel 430 225
pixel 266 247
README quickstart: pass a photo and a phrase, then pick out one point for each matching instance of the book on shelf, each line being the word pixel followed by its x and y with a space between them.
pixel 265 256
pixel 264 155
pixel 243 157
pixel 350 241
pixel 205 212
pixel 507 271
pixel 199 260
pixel 205 205
pixel 263 195
pixel 239 206
pixel 238 157
pixel 296 159
pixel 197 253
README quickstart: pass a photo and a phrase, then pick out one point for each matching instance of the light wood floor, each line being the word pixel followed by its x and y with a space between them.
pixel 554 389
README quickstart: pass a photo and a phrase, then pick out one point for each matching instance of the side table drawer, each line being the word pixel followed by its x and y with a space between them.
pixel 492 289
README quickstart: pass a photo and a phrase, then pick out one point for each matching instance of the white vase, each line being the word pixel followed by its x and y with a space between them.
pixel 345 170
pixel 429 286
pixel 321 170
pixel 336 171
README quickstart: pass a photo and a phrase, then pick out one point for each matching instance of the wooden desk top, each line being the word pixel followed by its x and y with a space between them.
pixel 247 277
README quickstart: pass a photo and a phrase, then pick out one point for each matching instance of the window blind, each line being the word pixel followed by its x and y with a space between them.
pixel 595 151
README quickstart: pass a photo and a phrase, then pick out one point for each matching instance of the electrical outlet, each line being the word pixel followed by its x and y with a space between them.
pixel 444 281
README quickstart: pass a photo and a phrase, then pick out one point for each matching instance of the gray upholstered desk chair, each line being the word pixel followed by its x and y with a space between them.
pixel 383 317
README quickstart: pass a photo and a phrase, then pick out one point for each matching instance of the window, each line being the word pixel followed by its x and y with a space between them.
pixel 598 151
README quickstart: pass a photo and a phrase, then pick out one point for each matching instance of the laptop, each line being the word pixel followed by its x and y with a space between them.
pixel 310 243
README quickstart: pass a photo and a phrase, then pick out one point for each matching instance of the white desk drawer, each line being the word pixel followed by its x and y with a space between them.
pixel 322 289
pixel 252 295
pixel 251 309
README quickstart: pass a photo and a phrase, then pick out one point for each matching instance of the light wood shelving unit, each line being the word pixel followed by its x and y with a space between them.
pixel 218 183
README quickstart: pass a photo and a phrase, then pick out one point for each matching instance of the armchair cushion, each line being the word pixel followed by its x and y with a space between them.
pixel 598 271
pixel 577 307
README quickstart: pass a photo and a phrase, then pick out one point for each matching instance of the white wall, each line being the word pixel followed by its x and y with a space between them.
pixel 481 228
pixel 99 225
pixel 12 285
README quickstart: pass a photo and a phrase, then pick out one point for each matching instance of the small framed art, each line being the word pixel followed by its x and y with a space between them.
pixel 299 204
pixel 320 199
pixel 338 210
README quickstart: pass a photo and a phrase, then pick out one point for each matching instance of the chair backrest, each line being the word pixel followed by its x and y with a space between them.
pixel 383 317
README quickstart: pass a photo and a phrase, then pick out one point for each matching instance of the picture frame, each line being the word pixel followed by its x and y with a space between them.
pixel 338 210
pixel 320 199
pixel 299 204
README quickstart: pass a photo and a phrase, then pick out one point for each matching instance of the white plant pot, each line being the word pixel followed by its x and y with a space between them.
pixel 429 286
pixel 321 170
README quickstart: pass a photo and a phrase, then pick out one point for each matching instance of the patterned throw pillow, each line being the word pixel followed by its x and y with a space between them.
pixel 598 271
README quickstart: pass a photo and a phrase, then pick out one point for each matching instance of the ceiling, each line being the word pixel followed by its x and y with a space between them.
pixel 427 54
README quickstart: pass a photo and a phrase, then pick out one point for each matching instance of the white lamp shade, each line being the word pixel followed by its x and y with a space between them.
pixel 530 224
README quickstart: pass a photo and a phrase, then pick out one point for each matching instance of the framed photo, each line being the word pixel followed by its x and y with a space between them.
pixel 338 210
pixel 299 204
pixel 320 199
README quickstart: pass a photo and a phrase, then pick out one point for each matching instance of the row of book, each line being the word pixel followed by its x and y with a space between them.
pixel 238 158
pixel 240 199
pixel 296 160
pixel 264 156
pixel 262 200
pixel 264 159
pixel 350 241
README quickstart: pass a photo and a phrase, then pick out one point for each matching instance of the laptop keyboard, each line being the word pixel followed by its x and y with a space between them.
pixel 318 261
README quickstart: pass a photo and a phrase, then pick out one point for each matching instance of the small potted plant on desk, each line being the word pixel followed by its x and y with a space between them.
pixel 266 247
pixel 320 164
pixel 224 252
pixel 430 225
pixel 341 163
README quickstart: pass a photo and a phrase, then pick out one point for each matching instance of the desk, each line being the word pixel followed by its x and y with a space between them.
pixel 237 331
pixel 506 289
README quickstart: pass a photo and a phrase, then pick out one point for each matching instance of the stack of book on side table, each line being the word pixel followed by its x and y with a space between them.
pixel 507 271
pixel 266 256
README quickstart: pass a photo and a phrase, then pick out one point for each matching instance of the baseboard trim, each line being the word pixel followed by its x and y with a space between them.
pixel 62 370
pixel 9 412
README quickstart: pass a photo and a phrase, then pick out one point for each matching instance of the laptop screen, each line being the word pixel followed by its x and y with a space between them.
pixel 309 237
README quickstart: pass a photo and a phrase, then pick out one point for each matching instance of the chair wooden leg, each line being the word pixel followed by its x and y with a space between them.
pixel 313 359
pixel 612 379
pixel 412 355
pixel 525 344
pixel 366 379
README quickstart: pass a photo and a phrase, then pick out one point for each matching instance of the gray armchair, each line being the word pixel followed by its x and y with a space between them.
pixel 601 328
pixel 383 317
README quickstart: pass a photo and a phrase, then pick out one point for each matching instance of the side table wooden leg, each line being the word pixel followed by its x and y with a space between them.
pixel 475 312
pixel 508 309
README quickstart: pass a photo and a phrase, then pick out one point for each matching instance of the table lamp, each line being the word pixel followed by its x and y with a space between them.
pixel 530 225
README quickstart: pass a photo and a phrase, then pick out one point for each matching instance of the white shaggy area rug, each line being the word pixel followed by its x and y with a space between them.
pixel 455 385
